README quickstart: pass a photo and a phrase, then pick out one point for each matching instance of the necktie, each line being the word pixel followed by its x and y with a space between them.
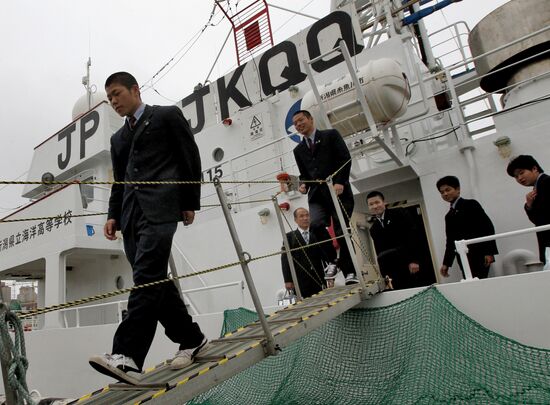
pixel 305 234
pixel 132 122
pixel 310 144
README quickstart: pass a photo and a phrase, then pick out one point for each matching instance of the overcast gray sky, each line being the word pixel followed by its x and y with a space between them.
pixel 44 46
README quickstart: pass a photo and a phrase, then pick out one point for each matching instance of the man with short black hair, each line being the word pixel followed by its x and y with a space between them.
pixel 393 234
pixel 154 144
pixel 311 261
pixel 466 219
pixel 322 154
pixel 527 172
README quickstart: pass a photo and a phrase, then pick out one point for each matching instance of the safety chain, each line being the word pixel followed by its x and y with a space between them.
pixel 46 218
pixel 105 213
pixel 147 183
pixel 14 355
pixel 340 168
pixel 70 304
pixel 236 203
pixel 52 308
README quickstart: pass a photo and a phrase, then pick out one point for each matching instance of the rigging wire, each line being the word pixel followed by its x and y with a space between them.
pixel 291 18
pixel 7 209
pixel 174 60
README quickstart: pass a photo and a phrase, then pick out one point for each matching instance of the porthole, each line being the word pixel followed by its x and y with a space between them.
pixel 119 281
pixel 218 154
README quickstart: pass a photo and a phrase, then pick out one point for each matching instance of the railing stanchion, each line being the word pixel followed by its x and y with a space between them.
pixel 270 343
pixel 287 249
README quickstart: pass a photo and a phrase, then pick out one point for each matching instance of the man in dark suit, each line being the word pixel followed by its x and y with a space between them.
pixel 394 239
pixel 310 262
pixel 466 219
pixel 527 172
pixel 320 155
pixel 154 144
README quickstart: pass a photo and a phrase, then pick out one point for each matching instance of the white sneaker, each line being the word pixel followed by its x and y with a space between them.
pixel 351 278
pixel 185 357
pixel 116 366
pixel 330 271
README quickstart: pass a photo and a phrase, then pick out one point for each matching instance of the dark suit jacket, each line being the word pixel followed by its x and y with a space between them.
pixel 330 154
pixel 160 147
pixel 539 213
pixel 468 220
pixel 310 279
pixel 397 234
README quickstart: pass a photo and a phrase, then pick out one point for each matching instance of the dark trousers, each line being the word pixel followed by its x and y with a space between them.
pixel 148 248
pixel 393 265
pixel 477 265
pixel 321 213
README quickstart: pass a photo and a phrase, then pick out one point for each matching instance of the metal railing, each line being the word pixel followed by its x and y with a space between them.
pixel 462 245
pixel 121 304
pixel 458 54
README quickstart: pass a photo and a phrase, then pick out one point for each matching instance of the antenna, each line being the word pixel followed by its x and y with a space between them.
pixel 90 89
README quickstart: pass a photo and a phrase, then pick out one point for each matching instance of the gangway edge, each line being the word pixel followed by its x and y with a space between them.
pixel 234 352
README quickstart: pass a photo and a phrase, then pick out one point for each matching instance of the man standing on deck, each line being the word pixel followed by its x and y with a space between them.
pixel 155 144
pixel 310 262
pixel 395 241
pixel 466 219
pixel 322 154
pixel 527 172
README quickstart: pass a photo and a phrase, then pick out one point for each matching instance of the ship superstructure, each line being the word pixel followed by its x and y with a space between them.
pixel 408 114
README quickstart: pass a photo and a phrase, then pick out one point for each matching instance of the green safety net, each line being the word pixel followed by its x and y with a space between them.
pixel 419 351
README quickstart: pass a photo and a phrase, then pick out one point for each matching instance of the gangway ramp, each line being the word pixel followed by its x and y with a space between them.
pixel 234 352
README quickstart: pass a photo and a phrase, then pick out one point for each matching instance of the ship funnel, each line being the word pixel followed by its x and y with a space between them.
pixel 386 90
pixel 511 22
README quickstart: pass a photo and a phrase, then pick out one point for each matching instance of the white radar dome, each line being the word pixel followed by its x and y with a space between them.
pixel 386 90
pixel 82 106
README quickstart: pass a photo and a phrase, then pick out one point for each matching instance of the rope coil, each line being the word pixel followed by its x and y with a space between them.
pixel 14 356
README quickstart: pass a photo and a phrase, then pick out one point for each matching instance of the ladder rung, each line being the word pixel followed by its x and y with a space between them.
pixel 237 338
pixel 301 308
pixel 280 320
pixel 207 359
pixel 138 387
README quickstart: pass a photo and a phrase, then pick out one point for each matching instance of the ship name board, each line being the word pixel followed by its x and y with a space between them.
pixel 87 126
pixel 35 231
pixel 275 70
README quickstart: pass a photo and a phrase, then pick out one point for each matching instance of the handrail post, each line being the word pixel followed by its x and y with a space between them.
pixel 462 250
pixel 270 343
pixel 287 249
pixel 346 232
pixel 174 273
pixel 4 360
pixel 119 311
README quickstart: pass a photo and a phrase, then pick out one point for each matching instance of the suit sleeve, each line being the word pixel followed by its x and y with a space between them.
pixel 188 157
pixel 449 256
pixel 536 215
pixel 484 227
pixel 409 234
pixel 287 276
pixel 117 190
pixel 342 158
pixel 304 174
